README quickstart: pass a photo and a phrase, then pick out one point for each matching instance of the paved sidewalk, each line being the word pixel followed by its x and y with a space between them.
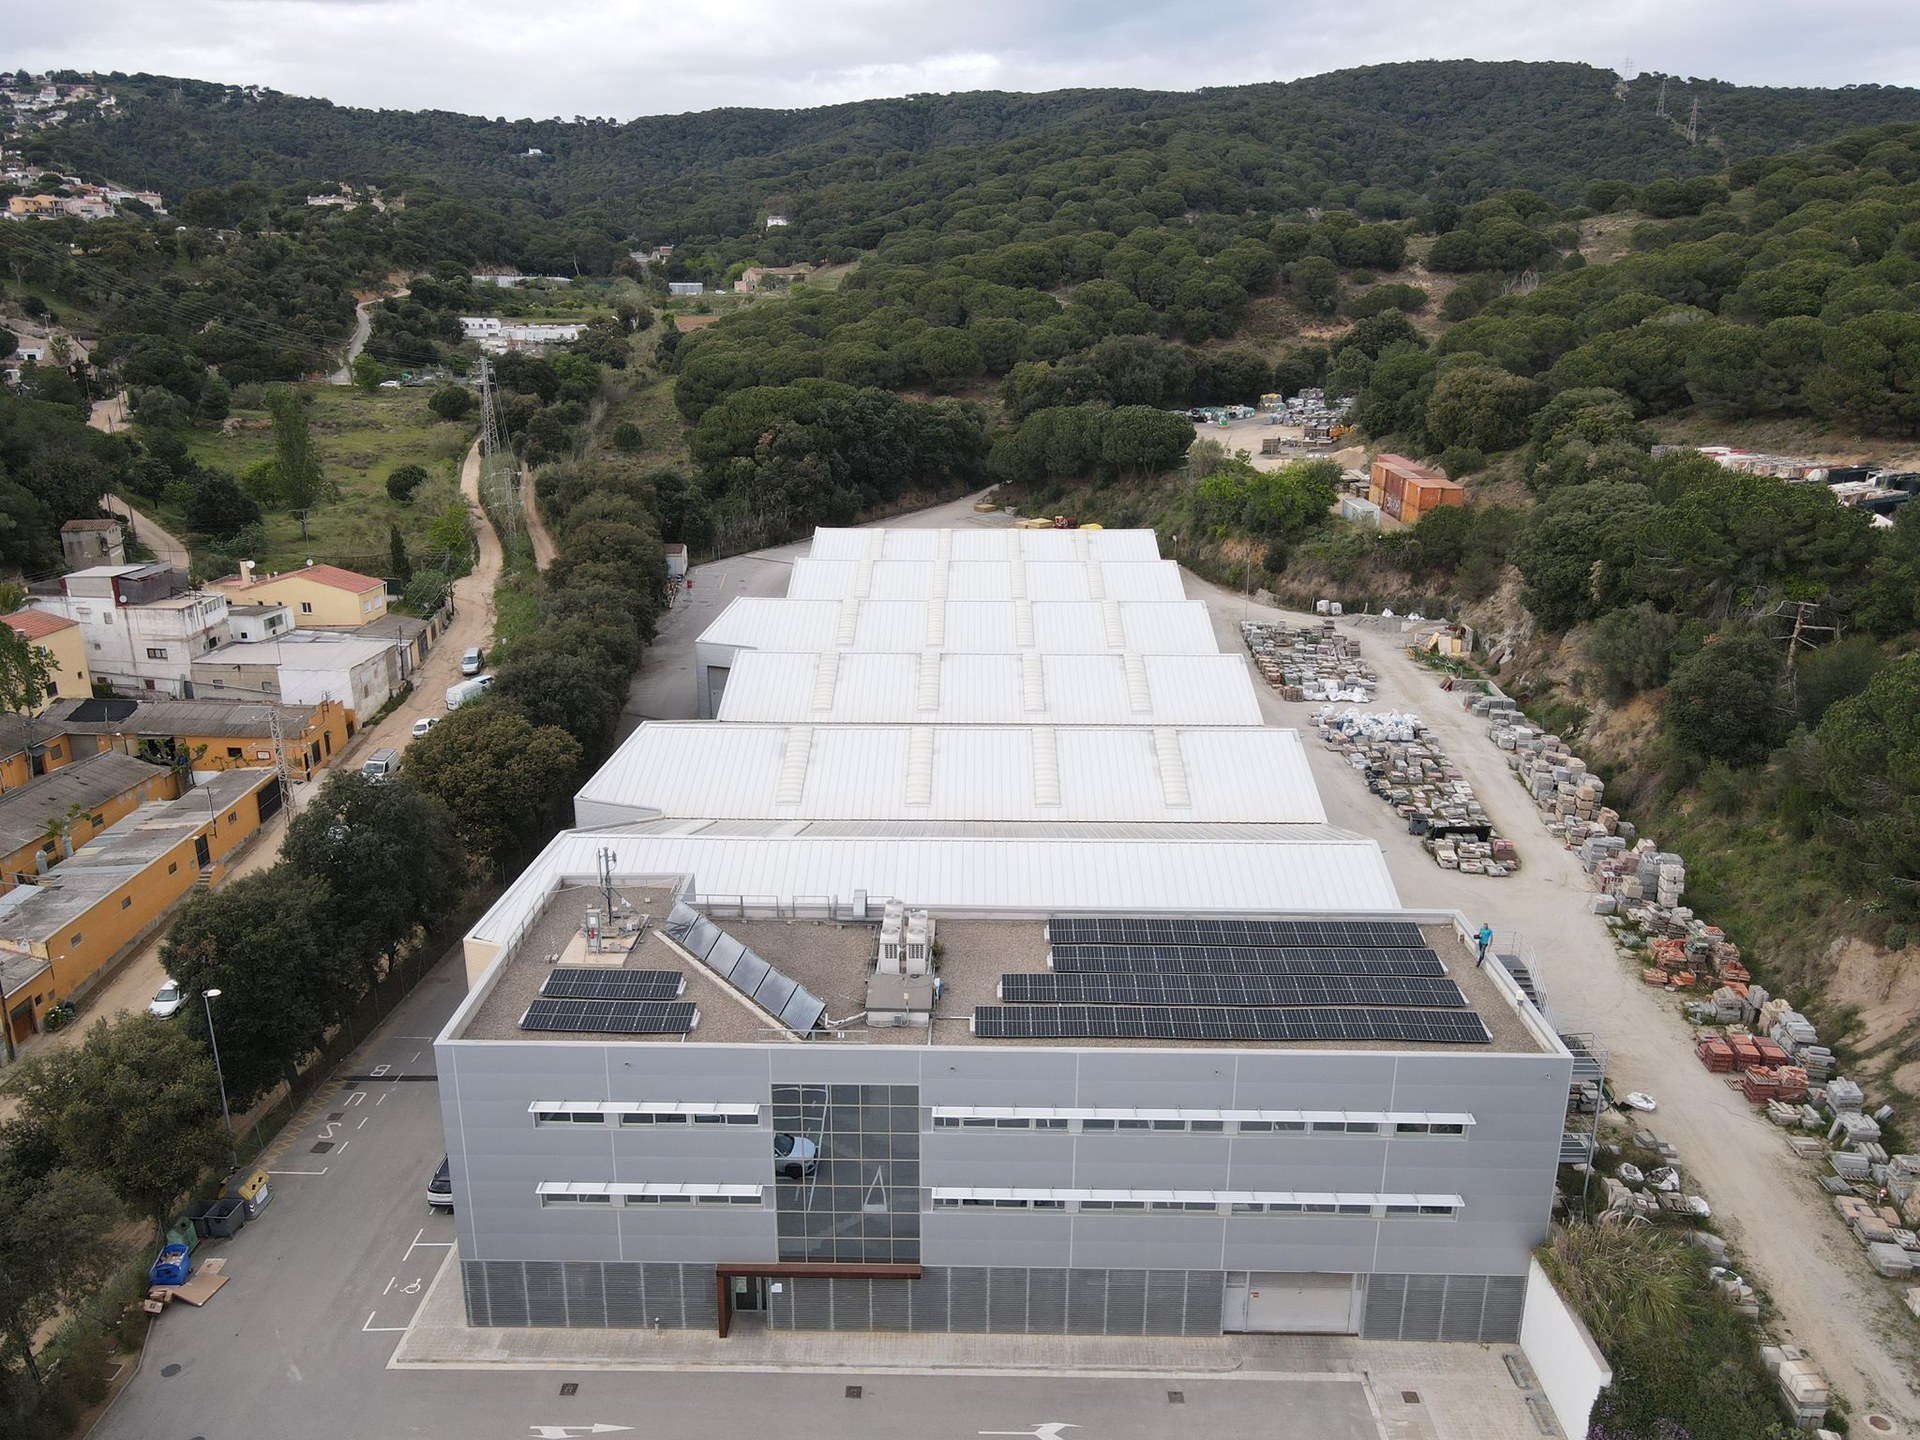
pixel 1462 1392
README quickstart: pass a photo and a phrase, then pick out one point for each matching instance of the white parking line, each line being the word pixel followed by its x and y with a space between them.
pixel 321 1171
pixel 372 1329
pixel 419 1244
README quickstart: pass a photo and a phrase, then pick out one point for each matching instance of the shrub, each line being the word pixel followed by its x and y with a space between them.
pixel 404 481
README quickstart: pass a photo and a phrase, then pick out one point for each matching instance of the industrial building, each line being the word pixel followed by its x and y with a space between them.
pixel 981 973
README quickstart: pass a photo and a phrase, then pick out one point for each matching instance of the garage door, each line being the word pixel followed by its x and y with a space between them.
pixel 1295 1304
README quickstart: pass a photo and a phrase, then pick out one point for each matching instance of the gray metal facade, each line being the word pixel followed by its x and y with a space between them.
pixel 1503 1170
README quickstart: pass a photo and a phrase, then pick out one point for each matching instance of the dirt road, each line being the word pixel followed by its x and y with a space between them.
pixel 543 546
pixel 362 328
pixel 139 975
pixel 1764 1200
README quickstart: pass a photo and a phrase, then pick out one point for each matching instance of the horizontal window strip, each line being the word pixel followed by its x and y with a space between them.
pixel 1218 1202
pixel 598 1193
pixel 642 1112
pixel 1091 1121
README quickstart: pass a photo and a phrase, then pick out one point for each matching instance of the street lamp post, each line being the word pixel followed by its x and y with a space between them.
pixel 207 997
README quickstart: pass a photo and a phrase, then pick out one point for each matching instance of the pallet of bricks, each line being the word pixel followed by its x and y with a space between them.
pixel 1309 662
pixel 1405 767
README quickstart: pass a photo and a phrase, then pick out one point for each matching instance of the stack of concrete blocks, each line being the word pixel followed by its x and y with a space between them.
pixel 1309 662
pixel 1405 768
pixel 1739 1294
pixel 1844 1096
pixel 1903 1186
pixel 1795 1034
pixel 1803 1389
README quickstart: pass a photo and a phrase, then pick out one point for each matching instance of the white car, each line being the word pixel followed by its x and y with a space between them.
pixel 1640 1100
pixel 424 724
pixel 167 1001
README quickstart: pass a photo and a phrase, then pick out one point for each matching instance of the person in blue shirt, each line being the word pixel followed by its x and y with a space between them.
pixel 1485 937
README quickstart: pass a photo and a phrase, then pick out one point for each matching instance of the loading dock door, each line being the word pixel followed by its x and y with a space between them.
pixel 1286 1303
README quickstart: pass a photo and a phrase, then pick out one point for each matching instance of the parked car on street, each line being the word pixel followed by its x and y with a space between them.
pixel 440 1188
pixel 424 724
pixel 167 1001
pixel 472 660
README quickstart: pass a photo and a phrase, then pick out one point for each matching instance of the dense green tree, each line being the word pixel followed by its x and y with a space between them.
pixel 301 483
pixel 1576 547
pixel 220 508
pixel 1870 748
pixel 102 1102
pixel 1632 648
pixel 1726 701
pixel 451 402
pixel 1316 284
pixel 406 479
pixel 1480 406
pixel 501 777
pixel 55 1241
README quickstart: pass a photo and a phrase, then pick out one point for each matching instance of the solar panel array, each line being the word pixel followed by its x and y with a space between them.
pixel 612 1017
pixel 1202 1022
pixel 583 982
pixel 1193 930
pixel 1231 990
pixel 798 1008
pixel 1245 959
pixel 1125 978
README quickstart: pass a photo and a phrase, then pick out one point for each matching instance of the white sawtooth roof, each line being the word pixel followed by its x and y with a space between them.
pixel 1006 773
pixel 985 580
pixel 977 543
pixel 1320 872
pixel 872 688
pixel 1150 627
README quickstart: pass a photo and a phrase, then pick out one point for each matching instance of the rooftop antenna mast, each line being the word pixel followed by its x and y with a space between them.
pixel 605 856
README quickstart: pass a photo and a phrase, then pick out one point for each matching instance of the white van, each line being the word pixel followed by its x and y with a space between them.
pixel 381 766
pixel 458 695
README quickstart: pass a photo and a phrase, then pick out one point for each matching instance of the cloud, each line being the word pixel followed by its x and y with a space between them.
pixel 626 57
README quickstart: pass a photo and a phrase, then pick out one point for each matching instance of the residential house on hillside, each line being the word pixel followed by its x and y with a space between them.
pixel 79 800
pixel 259 622
pixel 323 596
pixel 93 542
pixel 143 626
pixel 64 644
pixel 29 748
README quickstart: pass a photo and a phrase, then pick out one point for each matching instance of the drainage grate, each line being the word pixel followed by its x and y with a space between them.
pixel 569 1387
pixel 1176 1397
pixel 169 1370
pixel 320 1147
pixel 1880 1424
pixel 853 1392
pixel 1409 1397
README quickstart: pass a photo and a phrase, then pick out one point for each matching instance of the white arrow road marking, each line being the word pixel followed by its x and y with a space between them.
pixel 566 1432
pixel 1049 1431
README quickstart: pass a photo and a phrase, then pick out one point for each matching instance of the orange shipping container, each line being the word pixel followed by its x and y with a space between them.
pixel 1406 489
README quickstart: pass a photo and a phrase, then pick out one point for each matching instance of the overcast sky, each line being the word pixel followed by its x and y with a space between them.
pixel 622 58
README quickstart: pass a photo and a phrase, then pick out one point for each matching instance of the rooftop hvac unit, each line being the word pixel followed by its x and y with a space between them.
pixel 917 956
pixel 892 930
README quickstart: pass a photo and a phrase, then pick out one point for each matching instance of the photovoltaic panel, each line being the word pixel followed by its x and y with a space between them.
pixel 803 1011
pixel 795 1007
pixel 581 982
pixel 1198 930
pixel 1245 959
pixel 1235 990
pixel 1199 1022
pixel 612 1017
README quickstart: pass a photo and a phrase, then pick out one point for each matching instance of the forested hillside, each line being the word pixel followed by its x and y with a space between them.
pixel 1522 272
pixel 1384 138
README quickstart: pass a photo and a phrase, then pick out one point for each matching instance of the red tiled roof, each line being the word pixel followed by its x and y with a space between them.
pixel 36 623
pixel 332 575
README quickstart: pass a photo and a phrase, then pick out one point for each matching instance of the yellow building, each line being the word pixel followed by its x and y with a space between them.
pixel 61 641
pixel 320 596
pixel 30 748
pixel 82 799
pixel 204 736
pixel 58 935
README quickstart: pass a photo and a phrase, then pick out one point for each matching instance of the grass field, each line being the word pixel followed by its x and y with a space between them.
pixel 361 438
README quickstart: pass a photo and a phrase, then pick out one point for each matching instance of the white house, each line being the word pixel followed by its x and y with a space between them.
pixel 304 668
pixel 143 628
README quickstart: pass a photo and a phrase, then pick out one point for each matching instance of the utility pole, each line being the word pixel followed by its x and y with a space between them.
pixel 1661 109
pixel 278 735
pixel 1693 123
pixel 507 501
